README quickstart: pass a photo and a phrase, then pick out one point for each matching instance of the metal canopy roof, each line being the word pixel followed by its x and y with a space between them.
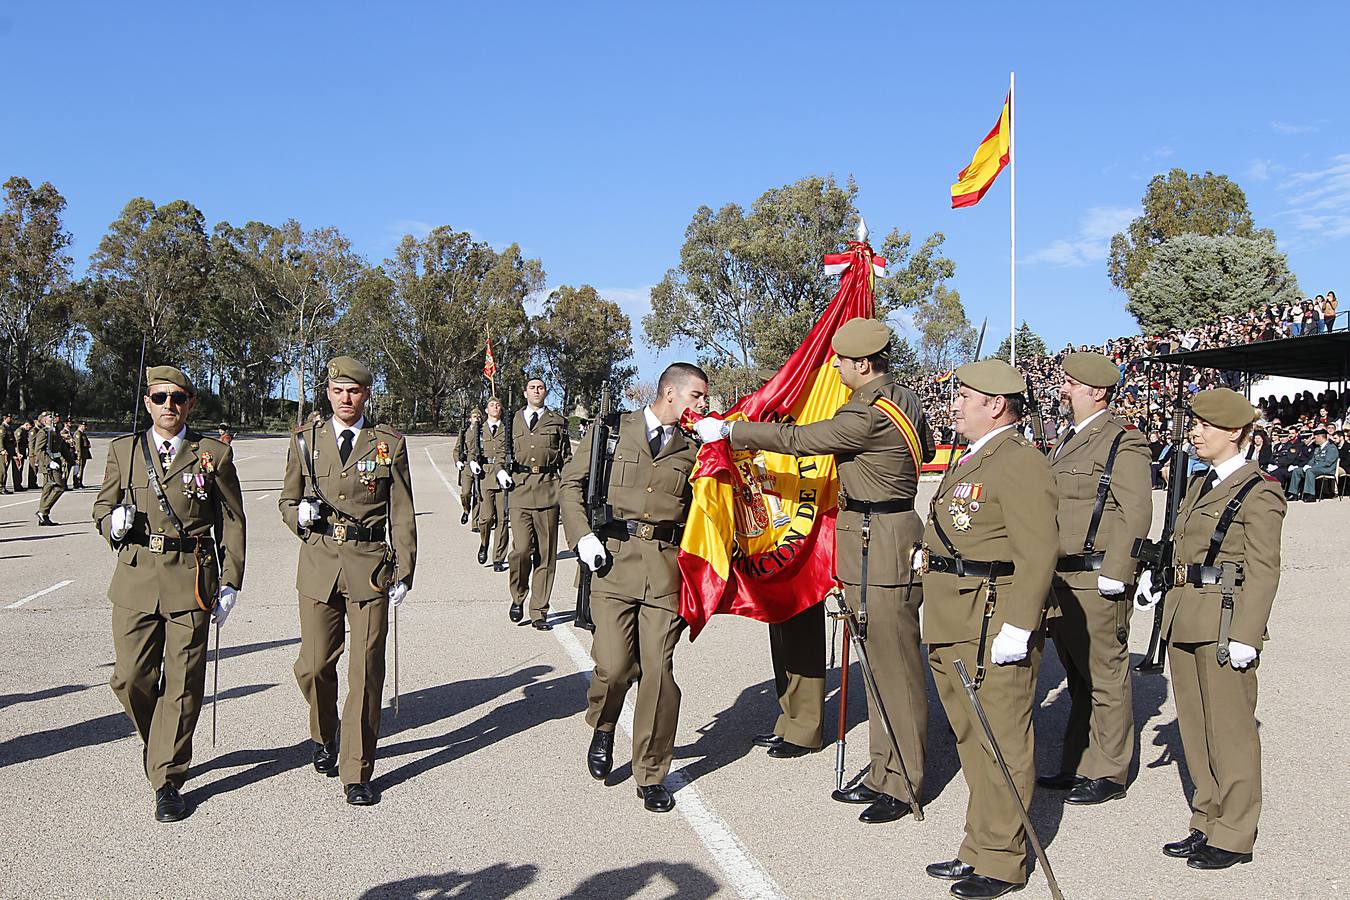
pixel 1317 357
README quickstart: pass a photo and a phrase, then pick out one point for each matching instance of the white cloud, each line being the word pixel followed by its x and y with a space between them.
pixel 396 230
pixel 1319 199
pixel 1291 128
pixel 1259 170
pixel 1090 245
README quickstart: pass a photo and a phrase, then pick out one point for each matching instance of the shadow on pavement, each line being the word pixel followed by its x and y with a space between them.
pixel 242 649
pixel 726 738
pixel 7 700
pixel 261 765
pixel 690 882
pixel 39 537
pixel 493 883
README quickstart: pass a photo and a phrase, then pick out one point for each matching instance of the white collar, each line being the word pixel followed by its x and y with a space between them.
pixel 1229 466
pixel 176 441
pixel 975 447
pixel 1084 424
pixel 653 423
pixel 338 428
pixel 528 410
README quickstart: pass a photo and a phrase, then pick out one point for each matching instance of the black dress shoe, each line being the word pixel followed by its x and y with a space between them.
pixel 482 555
pixel 600 756
pixel 541 625
pixel 517 612
pixel 1211 857
pixel 170 805
pixel 766 740
pixel 500 567
pixel 982 887
pixel 656 798
pixel 325 758
pixel 1064 781
pixel 789 750
pixel 859 793
pixel 360 794
pixel 951 870
pixel 464 518
pixel 1095 790
pixel 1183 848
pixel 883 809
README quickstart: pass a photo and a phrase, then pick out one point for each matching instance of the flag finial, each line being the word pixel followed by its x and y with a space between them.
pixel 862 229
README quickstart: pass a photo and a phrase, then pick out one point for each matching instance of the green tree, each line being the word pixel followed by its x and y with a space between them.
pixel 947 339
pixel 1029 345
pixel 584 341
pixel 239 345
pixel 749 286
pixel 1175 204
pixel 35 303
pixel 1194 279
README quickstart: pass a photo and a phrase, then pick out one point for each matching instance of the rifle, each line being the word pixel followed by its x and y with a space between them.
pixel 597 486
pixel 956 443
pixel 1037 418
pixel 1157 556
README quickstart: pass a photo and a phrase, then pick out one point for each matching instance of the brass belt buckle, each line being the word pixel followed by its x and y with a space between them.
pixel 645 531
pixel 340 533
pixel 156 543
pixel 535 470
pixel 1179 575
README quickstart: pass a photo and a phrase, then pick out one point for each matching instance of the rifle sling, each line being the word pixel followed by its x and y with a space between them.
pixel 308 463
pixel 1103 488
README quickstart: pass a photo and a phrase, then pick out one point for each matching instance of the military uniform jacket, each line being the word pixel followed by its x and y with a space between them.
pixel 83 447
pixel 146 581
pixel 493 459
pixel 468 445
pixel 546 447
pixel 1010 482
pixel 1078 467
pixel 645 490
pixel 874 464
pixel 8 443
pixel 379 497
pixel 49 447
pixel 1190 613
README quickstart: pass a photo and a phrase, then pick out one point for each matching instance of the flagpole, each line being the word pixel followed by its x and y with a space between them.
pixel 1012 223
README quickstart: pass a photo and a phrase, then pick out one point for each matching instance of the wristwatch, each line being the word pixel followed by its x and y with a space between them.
pixel 726 430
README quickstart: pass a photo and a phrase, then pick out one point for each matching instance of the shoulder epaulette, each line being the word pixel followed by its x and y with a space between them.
pixel 301 429
pixel 1128 427
pixel 1269 477
pixel 389 430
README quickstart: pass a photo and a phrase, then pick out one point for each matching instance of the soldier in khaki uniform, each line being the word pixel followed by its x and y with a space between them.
pixel 540 448
pixel 27 436
pixel 988 555
pixel 52 457
pixel 83 453
pixel 880 438
pixel 347 494
pixel 1090 612
pixel 1214 653
pixel 491 468
pixel 9 455
pixel 465 448
pixel 635 596
pixel 170 581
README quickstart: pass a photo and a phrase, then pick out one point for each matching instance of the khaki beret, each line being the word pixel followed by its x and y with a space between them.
pixel 992 377
pixel 1092 369
pixel 1223 408
pixel 476 412
pixel 860 338
pixel 345 370
pixel 168 375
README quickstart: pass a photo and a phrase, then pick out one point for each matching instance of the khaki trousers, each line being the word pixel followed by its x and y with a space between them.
pixel 797 647
pixel 492 514
pixel 466 489
pixel 635 640
pixel 995 841
pixel 896 655
pixel 1099 738
pixel 1216 708
pixel 146 647
pixel 321 644
pixel 4 470
pixel 53 486
pixel 534 534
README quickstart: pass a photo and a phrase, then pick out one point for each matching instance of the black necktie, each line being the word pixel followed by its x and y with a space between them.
pixel 1068 436
pixel 492 430
pixel 166 455
pixel 345 445
pixel 534 420
pixel 1210 480
pixel 655 442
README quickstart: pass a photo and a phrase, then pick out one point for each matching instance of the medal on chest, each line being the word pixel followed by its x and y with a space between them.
pixel 366 471
pixel 965 503
pixel 382 453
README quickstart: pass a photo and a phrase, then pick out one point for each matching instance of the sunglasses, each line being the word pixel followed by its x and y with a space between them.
pixel 160 397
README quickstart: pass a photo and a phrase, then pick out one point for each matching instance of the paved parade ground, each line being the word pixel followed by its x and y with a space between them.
pixel 483 784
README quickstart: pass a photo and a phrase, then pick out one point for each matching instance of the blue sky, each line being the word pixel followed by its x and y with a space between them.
pixel 589 133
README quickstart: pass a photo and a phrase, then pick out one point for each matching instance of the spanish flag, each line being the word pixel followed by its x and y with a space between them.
pixel 759 539
pixel 991 157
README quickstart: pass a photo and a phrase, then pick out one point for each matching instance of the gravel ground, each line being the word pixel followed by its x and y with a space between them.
pixel 482 780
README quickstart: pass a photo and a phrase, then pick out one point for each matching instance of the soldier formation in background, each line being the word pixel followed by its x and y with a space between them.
pixel 539 448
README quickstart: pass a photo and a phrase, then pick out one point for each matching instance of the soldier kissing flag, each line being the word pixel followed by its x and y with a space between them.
pixel 759 539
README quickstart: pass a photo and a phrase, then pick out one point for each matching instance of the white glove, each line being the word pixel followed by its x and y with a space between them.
pixel 123 517
pixel 397 593
pixel 1109 587
pixel 1145 597
pixel 225 601
pixel 1270 468
pixel 505 480
pixel 1010 644
pixel 54 465
pixel 1241 655
pixel 474 467
pixel 307 513
pixel 591 551
pixel 708 429
pixel 916 559
pixel 459 465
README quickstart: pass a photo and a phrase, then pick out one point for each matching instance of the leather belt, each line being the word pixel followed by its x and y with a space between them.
pixel 646 531
pixel 1081 562
pixel 518 469
pixel 1197 575
pixel 343 534
pixel 158 543
pixel 875 507
pixel 967 567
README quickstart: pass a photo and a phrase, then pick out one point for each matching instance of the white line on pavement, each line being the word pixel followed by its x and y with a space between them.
pixel 263 496
pixel 748 878
pixel 445 481
pixel 56 587
pixel 21 502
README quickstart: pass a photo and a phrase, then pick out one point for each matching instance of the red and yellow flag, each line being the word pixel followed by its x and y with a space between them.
pixel 489 363
pixel 759 540
pixel 991 157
